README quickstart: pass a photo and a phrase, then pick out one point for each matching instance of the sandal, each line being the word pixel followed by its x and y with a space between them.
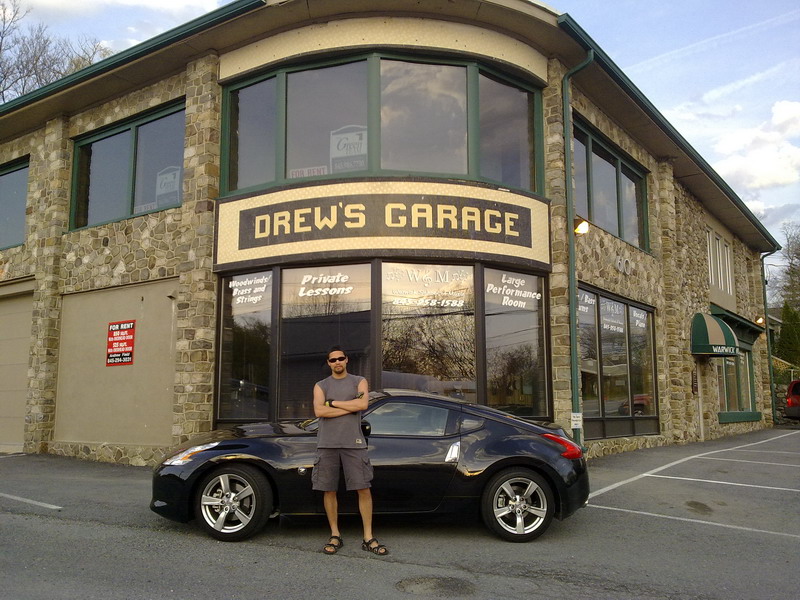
pixel 378 548
pixel 332 547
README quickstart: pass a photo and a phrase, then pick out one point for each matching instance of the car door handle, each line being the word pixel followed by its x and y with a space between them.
pixel 453 452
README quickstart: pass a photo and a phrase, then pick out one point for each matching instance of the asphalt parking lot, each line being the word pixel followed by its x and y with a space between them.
pixel 718 520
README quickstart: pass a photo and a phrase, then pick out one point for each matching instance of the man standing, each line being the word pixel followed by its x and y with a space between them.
pixel 338 402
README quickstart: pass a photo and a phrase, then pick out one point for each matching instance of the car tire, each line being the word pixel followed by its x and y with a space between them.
pixel 517 505
pixel 233 502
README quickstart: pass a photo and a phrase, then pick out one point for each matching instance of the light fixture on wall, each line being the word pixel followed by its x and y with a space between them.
pixel 760 321
pixel 581 225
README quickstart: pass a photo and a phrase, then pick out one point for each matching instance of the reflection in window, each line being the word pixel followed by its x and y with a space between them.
pixel 13 197
pixel 246 347
pixel 252 135
pixel 103 190
pixel 616 350
pixel 733 382
pixel 326 129
pixel 428 327
pixel 408 419
pixel 515 356
pixel 149 153
pixel 313 121
pixel 587 348
pixel 321 307
pixel 604 191
pixel 581 175
pixel 423 117
pixel 609 189
pixel 640 327
pixel 159 164
pixel 506 135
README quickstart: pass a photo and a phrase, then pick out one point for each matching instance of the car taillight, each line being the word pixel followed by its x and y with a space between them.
pixel 792 401
pixel 571 449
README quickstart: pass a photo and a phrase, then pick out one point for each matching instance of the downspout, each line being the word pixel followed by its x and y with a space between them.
pixel 769 340
pixel 566 105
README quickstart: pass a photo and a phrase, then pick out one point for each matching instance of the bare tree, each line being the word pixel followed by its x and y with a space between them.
pixel 31 58
pixel 784 280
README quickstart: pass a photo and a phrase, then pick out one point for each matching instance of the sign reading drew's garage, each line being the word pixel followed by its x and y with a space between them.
pixel 318 219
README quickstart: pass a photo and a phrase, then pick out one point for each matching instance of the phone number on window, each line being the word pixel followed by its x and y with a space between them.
pixel 427 302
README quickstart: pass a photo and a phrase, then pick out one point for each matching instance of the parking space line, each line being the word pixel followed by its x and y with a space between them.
pixel 767 452
pixel 698 521
pixel 28 501
pixel 762 487
pixel 752 462
pixel 614 486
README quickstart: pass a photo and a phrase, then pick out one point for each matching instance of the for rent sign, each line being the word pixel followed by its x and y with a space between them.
pixel 120 342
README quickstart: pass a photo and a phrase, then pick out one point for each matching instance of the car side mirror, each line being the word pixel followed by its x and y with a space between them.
pixel 366 428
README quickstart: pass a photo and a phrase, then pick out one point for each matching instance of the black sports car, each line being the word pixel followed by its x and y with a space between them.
pixel 430 454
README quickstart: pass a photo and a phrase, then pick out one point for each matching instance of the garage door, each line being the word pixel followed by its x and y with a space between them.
pixel 15 343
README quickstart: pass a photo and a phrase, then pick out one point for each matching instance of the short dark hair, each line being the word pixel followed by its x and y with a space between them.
pixel 336 349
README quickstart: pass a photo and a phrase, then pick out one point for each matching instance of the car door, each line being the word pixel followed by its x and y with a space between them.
pixel 414 450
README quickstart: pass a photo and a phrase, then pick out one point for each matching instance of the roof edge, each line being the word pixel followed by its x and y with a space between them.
pixel 576 32
pixel 201 23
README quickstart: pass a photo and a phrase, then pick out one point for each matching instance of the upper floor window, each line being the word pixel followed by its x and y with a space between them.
pixel 609 189
pixel 129 170
pixel 379 116
pixel 13 195
pixel 720 265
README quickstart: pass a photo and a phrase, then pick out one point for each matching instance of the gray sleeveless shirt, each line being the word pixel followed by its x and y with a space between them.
pixel 344 431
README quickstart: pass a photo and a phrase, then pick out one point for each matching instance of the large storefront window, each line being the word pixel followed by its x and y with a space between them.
pixel 734 382
pixel 515 354
pixel 615 343
pixel 320 308
pixel 375 115
pixel 426 327
pixel 244 386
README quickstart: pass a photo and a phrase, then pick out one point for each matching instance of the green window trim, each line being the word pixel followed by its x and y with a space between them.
pixel 131 125
pixel 740 417
pixel 624 167
pixel 474 69
pixel 10 169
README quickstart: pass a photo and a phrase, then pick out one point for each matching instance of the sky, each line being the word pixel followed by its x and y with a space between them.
pixel 725 73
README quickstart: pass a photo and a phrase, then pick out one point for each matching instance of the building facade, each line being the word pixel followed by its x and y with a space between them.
pixel 187 226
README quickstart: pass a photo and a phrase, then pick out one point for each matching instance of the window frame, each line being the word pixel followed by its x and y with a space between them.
pixel 129 125
pixel 631 424
pixel 8 169
pixel 371 359
pixel 622 164
pixel 474 68
pixel 745 393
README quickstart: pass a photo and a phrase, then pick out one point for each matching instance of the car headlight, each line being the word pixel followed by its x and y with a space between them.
pixel 186 455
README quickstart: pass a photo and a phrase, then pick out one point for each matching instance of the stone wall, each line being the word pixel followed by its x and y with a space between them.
pixel 174 243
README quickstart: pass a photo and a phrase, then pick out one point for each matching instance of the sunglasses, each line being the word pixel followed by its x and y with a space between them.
pixel 337 359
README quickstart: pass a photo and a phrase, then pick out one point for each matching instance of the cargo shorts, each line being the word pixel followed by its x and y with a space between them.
pixel 354 462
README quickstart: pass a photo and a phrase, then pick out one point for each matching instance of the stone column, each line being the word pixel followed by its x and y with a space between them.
pixel 554 179
pixel 196 294
pixel 49 177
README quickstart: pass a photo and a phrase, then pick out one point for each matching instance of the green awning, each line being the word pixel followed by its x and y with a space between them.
pixel 712 336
